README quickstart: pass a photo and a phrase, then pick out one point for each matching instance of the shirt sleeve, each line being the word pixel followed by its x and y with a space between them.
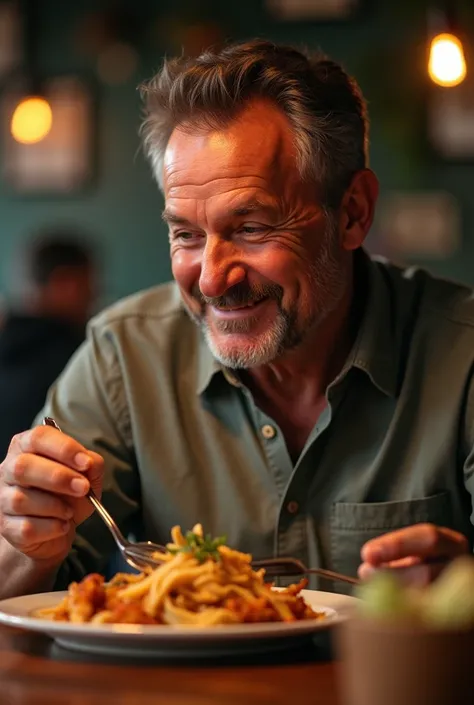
pixel 88 402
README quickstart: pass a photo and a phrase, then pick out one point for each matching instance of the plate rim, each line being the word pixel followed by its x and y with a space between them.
pixel 169 634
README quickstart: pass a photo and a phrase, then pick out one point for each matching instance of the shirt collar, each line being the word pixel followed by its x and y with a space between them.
pixel 376 350
pixel 209 367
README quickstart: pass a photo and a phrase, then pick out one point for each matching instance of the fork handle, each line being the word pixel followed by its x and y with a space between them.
pixel 93 499
pixel 106 518
pixel 331 575
pixel 280 569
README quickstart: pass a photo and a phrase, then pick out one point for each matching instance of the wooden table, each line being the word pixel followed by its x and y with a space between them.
pixel 34 671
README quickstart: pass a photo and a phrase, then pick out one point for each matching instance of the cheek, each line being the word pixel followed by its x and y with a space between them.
pixel 186 268
pixel 286 269
pixel 295 275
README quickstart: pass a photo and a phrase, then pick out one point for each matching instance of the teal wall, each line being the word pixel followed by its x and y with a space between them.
pixel 384 48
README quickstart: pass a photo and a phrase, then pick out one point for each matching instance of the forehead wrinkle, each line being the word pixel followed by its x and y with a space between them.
pixel 192 189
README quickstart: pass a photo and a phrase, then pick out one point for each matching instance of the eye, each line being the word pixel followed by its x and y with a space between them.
pixel 253 229
pixel 185 236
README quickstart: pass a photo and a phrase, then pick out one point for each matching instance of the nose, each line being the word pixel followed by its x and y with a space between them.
pixel 220 267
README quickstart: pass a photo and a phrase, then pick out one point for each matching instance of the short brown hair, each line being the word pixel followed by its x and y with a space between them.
pixel 323 104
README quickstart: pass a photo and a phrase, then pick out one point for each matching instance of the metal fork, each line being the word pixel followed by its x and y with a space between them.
pixel 281 567
pixel 139 554
pixel 285 566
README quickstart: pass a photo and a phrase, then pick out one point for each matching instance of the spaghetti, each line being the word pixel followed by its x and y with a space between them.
pixel 201 583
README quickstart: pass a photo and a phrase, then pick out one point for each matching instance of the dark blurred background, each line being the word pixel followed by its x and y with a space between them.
pixel 89 56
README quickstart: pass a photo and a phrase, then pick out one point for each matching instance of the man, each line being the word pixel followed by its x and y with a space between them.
pixel 44 325
pixel 286 390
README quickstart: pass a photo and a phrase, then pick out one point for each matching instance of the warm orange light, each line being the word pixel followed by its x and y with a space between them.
pixel 32 120
pixel 447 65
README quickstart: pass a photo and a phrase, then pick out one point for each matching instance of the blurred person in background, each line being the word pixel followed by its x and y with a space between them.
pixel 43 324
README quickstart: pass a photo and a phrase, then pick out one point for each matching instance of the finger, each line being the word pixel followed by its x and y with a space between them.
pixel 51 443
pixel 365 570
pixel 404 562
pixel 28 470
pixel 96 471
pixel 417 574
pixel 25 532
pixel 96 458
pixel 420 574
pixel 18 501
pixel 422 540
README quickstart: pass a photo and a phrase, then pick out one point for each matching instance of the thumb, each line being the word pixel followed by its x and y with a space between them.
pixel 95 473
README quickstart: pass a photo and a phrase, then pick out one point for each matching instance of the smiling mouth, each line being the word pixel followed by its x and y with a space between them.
pixel 238 310
pixel 251 304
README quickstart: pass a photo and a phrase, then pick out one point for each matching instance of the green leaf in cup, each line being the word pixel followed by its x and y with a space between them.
pixel 383 595
pixel 449 601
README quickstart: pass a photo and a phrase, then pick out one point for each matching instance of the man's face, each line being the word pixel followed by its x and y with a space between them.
pixel 258 262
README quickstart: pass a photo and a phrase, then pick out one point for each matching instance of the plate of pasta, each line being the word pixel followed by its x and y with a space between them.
pixel 203 599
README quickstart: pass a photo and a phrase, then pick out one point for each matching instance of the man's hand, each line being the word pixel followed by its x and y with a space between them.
pixel 43 483
pixel 418 553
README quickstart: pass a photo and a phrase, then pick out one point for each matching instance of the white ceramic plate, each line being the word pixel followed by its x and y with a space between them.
pixel 150 640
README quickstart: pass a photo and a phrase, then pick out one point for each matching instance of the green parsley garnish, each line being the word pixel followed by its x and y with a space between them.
pixel 202 548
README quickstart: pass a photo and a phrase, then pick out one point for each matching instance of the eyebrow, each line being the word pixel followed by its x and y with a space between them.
pixel 245 209
pixel 169 217
pixel 252 206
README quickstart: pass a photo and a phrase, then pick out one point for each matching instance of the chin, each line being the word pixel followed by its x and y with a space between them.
pixel 244 354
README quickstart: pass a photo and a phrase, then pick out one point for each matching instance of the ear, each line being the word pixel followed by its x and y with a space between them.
pixel 357 209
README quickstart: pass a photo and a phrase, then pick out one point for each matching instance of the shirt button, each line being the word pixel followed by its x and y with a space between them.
pixel 268 431
pixel 292 507
pixel 232 379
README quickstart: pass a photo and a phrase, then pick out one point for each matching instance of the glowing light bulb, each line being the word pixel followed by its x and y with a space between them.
pixel 447 65
pixel 31 120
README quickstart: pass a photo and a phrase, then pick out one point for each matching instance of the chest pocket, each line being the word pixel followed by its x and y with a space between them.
pixel 351 524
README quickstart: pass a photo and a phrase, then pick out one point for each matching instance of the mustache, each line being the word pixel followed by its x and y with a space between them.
pixel 241 294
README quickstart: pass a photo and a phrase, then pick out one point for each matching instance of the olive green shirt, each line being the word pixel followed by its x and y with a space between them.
pixel 184 442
